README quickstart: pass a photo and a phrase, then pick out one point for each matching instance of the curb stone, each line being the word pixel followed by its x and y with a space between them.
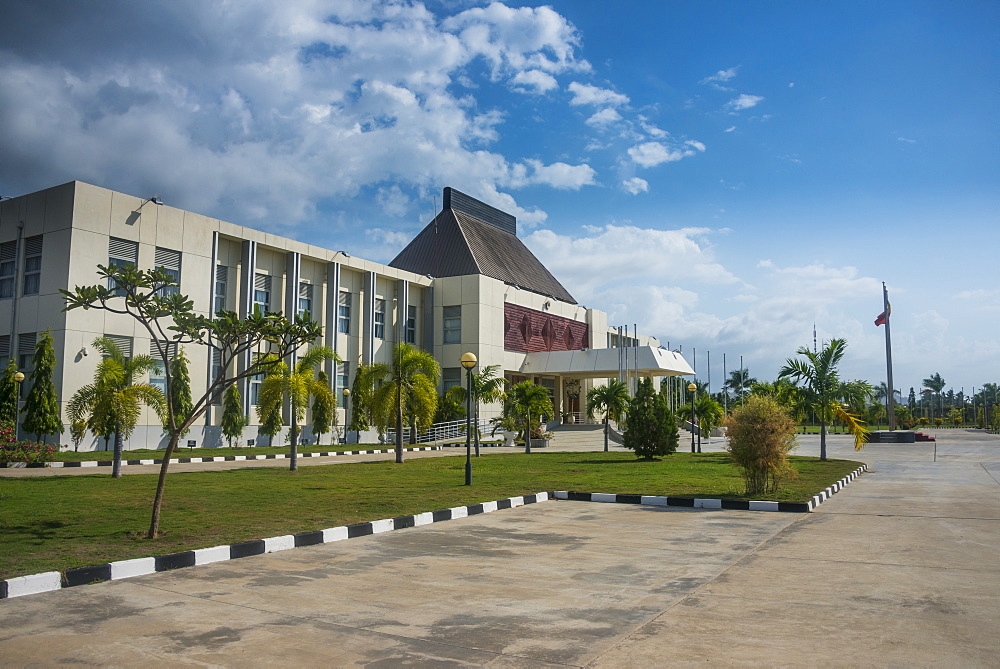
pixel 113 571
pixel 231 458
pixel 697 503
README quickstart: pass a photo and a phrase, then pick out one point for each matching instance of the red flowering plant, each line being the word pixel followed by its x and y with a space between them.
pixel 28 452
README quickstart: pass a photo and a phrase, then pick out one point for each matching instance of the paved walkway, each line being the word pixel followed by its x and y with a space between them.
pixel 900 568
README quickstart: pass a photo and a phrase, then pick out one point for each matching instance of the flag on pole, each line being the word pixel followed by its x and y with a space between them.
pixel 883 317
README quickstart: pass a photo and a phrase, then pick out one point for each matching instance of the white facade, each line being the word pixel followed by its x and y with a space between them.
pixel 365 307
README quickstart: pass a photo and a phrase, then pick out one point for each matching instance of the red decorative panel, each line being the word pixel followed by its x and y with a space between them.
pixel 528 330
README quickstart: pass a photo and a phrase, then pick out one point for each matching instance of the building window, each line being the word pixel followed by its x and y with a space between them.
pixel 8 265
pixel 379 318
pixel 157 375
pixel 169 261
pixel 344 313
pixel 26 356
pixel 121 253
pixel 450 377
pixel 221 287
pixel 255 383
pixel 4 349
pixel 305 299
pixel 453 325
pixel 32 265
pixel 262 292
pixel 342 374
pixel 411 324
pixel 123 343
pixel 217 373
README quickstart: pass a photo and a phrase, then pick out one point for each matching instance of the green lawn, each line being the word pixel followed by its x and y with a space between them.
pixel 59 522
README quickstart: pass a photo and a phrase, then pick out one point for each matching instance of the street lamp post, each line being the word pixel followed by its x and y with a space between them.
pixel 468 361
pixel 692 388
pixel 347 422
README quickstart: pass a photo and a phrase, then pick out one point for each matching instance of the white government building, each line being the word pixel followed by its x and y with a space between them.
pixel 465 283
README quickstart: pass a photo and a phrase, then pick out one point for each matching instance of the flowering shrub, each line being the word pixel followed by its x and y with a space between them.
pixel 540 432
pixel 12 450
pixel 939 421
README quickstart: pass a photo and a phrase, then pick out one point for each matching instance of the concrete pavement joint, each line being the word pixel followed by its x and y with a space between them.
pixel 53 580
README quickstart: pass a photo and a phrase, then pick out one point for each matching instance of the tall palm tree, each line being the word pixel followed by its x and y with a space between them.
pixel 822 390
pixel 935 383
pixel 739 382
pixel 487 388
pixel 410 382
pixel 111 405
pixel 297 385
pixel 526 400
pixel 611 400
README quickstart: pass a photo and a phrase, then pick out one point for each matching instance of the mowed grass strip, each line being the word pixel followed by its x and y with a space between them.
pixel 59 522
pixel 225 451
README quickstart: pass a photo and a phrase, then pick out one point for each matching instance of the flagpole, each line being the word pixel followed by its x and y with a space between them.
pixel 890 403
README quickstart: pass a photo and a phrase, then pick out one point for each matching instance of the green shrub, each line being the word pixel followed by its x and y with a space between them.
pixel 761 433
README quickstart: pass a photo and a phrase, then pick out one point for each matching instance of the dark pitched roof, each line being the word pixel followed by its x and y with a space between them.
pixel 457 243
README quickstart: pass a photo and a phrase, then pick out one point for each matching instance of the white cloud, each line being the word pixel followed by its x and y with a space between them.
pixel 635 185
pixel 392 200
pixel 730 128
pixel 651 154
pixel 744 101
pixel 604 117
pixel 534 81
pixel 556 175
pixel 722 76
pixel 908 141
pixel 585 94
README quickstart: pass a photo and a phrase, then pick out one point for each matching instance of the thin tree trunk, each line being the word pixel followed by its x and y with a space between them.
pixel 294 464
pixel 476 428
pixel 116 469
pixel 822 440
pixel 527 435
pixel 154 522
pixel 607 429
pixel 399 424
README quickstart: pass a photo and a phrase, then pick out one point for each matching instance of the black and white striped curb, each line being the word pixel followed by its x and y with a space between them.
pixel 697 503
pixel 113 571
pixel 235 458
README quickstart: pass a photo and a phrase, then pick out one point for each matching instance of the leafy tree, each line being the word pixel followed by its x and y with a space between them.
pixel 785 394
pixel 612 401
pixel 487 388
pixel 296 384
pixel 233 418
pixel 361 400
pixel 409 383
pixel 525 400
pixel 324 408
pixel 41 406
pixel 761 433
pixel 911 399
pixel 650 426
pixel 169 318
pixel 8 394
pixel 180 389
pixel 821 389
pixel 112 404
pixel 451 405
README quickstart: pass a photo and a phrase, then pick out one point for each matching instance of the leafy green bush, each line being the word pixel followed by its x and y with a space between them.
pixel 761 433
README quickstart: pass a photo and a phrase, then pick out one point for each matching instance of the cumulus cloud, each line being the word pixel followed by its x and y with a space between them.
pixel 585 94
pixel 651 154
pixel 557 175
pixel 604 117
pixel 743 101
pixel 635 185
pixel 534 81
pixel 721 77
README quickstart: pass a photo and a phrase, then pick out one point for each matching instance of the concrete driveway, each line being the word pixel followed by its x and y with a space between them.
pixel 900 568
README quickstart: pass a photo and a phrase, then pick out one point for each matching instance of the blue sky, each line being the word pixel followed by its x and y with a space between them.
pixel 724 174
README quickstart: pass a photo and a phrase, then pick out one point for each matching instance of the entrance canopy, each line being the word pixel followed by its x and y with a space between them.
pixel 604 363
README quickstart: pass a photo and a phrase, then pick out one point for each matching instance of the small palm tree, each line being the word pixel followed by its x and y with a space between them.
pixel 297 385
pixel 111 405
pixel 612 401
pixel 487 388
pixel 934 383
pixel 410 382
pixel 739 382
pixel 822 390
pixel 526 400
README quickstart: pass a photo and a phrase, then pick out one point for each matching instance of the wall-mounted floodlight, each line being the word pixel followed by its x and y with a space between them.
pixel 155 200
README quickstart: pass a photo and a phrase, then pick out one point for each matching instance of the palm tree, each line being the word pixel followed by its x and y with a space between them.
pixel 526 399
pixel 935 384
pixel 739 382
pixel 487 388
pixel 297 384
pixel 111 405
pixel 409 382
pixel 611 400
pixel 822 390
